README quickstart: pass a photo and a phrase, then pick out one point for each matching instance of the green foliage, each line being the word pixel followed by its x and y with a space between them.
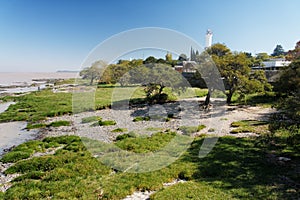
pixel 126 135
pixel 188 130
pixel 288 87
pixel 107 123
pixel 15 156
pixel 278 51
pixel 59 123
pixel 235 168
pixel 34 126
pixel 191 190
pixel 141 118
pixel 253 126
pixel 37 106
pixel 94 72
pixel 118 130
pixel 236 71
pixel 52 124
pixel 90 119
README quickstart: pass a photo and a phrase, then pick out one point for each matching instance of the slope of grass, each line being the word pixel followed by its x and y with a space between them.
pixel 235 168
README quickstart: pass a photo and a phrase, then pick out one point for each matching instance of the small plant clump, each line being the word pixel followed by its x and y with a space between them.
pixel 90 119
pixel 52 124
pixel 188 130
pixel 119 130
pixel 141 118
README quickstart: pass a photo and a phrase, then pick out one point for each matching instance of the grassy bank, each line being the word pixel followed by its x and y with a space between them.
pixel 237 168
pixel 39 105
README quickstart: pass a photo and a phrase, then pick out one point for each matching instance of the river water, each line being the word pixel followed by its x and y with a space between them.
pixel 24 79
pixel 13 133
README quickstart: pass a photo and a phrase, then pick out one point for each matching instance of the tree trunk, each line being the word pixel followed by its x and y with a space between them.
pixel 92 80
pixel 207 99
pixel 229 96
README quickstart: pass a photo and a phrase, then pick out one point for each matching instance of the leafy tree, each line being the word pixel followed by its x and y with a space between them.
pixel 288 87
pixel 94 72
pixel 262 56
pixel 236 72
pixel 295 53
pixel 182 57
pixel 168 58
pixel 155 77
pixel 149 60
pixel 278 51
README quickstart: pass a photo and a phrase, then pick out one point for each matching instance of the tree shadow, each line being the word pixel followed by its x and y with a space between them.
pixel 239 166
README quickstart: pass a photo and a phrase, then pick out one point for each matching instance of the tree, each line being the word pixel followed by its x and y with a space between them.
pixel 288 87
pixel 155 77
pixel 262 56
pixel 94 72
pixel 236 72
pixel 295 53
pixel 149 60
pixel 278 51
pixel 182 57
pixel 168 57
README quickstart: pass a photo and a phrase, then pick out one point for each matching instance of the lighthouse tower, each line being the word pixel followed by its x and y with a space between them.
pixel 208 38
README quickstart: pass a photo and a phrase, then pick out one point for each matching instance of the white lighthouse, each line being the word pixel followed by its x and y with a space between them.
pixel 208 38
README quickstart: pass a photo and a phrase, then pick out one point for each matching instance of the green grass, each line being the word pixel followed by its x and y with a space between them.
pixel 39 105
pixel 191 190
pixel 52 124
pixel 107 123
pixel 253 126
pixel 141 118
pixel 236 168
pixel 90 119
pixel 119 130
pixel 188 130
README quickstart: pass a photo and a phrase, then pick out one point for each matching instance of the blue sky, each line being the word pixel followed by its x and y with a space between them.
pixel 44 35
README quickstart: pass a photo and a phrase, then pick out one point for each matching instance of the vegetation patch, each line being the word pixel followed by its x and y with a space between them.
pixel 52 124
pixel 126 135
pixel 253 126
pixel 191 190
pixel 141 118
pixel 90 119
pixel 188 130
pixel 107 123
pixel 119 130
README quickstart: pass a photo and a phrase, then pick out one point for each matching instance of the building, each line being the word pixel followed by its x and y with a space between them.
pixel 273 64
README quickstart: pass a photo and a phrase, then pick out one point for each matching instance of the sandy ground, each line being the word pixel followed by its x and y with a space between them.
pixel 186 113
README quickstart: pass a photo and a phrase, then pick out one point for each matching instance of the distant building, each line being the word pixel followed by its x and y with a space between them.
pixel 273 64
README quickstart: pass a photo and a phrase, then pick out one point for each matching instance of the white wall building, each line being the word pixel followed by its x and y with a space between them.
pixel 273 64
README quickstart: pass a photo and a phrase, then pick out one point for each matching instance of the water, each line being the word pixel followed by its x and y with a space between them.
pixel 24 79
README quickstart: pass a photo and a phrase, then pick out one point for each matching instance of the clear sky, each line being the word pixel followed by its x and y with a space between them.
pixel 50 35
